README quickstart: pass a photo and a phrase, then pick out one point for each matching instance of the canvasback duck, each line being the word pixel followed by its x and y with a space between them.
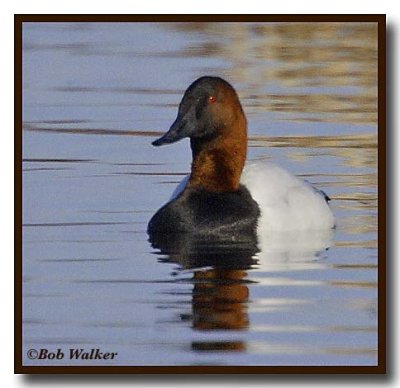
pixel 216 199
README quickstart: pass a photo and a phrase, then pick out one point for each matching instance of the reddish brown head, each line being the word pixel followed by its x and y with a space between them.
pixel 211 115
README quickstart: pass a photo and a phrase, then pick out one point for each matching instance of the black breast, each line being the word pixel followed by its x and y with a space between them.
pixel 231 215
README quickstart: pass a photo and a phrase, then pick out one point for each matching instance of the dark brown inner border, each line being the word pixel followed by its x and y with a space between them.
pixel 382 349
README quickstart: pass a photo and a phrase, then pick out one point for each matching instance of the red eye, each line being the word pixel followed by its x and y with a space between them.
pixel 211 99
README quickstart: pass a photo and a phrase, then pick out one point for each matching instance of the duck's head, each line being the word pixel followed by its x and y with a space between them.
pixel 209 107
pixel 211 115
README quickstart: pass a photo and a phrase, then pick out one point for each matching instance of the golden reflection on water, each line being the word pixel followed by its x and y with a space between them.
pixel 294 55
pixel 356 151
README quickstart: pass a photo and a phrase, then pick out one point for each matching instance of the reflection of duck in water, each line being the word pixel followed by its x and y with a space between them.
pixel 220 287
pixel 220 300
pixel 220 294
pixel 212 202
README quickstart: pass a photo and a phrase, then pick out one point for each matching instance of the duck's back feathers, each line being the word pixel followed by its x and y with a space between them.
pixel 286 202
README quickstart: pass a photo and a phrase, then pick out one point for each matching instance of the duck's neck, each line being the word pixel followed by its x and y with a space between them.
pixel 218 163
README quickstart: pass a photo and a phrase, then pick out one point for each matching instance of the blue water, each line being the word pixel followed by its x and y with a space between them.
pixel 94 97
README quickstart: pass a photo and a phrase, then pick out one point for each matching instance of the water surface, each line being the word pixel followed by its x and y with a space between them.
pixel 94 97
